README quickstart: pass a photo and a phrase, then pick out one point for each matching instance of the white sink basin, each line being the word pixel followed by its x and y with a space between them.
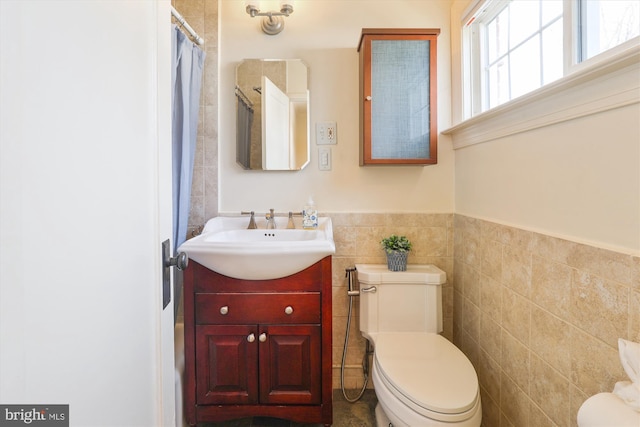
pixel 227 247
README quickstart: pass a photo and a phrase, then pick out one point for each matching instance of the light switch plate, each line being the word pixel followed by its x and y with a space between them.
pixel 324 158
pixel 326 133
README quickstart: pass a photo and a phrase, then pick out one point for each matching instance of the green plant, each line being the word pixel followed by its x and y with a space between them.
pixel 396 243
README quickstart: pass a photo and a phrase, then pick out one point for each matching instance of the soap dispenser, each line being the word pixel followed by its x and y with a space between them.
pixel 310 215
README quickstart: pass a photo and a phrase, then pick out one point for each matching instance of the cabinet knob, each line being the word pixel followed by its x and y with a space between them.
pixel 288 310
pixel 263 337
pixel 251 337
pixel 224 310
pixel 368 98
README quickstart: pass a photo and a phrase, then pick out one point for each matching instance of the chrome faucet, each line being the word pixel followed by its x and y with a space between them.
pixel 252 220
pixel 271 220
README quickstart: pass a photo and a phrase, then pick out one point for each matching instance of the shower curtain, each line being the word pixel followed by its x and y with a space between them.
pixel 243 136
pixel 187 67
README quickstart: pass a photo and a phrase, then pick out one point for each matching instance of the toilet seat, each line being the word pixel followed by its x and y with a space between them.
pixel 427 373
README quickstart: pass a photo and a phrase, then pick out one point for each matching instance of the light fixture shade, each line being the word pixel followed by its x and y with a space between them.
pixel 286 7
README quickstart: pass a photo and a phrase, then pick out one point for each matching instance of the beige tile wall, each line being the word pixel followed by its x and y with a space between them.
pixel 357 238
pixel 539 317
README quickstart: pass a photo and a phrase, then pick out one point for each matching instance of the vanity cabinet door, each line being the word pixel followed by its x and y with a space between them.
pixel 398 88
pixel 226 364
pixel 290 364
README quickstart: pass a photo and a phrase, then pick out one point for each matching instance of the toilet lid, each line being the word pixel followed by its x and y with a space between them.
pixel 428 370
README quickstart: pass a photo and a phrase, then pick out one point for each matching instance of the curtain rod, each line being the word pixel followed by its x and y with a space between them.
pixel 184 24
pixel 244 97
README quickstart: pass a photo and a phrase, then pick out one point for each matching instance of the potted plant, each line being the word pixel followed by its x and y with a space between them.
pixel 397 249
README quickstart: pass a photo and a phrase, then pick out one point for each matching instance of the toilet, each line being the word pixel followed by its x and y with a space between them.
pixel 605 410
pixel 420 378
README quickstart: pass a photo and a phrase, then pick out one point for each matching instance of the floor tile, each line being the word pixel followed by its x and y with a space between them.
pixel 345 414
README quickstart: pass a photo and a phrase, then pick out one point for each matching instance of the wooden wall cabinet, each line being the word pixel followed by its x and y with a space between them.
pixel 398 102
pixel 258 347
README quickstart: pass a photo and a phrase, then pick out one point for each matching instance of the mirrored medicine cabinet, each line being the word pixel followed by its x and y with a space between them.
pixel 272 120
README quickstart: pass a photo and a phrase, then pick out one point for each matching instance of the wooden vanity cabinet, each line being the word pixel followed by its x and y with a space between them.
pixel 258 347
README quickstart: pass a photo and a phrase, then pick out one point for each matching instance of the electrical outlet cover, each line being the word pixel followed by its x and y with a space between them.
pixel 326 133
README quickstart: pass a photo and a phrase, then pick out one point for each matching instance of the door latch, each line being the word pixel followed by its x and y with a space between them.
pixel 180 261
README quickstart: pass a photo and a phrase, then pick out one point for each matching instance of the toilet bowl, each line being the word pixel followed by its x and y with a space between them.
pixel 420 378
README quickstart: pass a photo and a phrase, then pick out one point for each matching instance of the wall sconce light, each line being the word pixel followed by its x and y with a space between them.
pixel 273 22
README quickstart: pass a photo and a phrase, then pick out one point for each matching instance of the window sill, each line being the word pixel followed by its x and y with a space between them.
pixel 604 86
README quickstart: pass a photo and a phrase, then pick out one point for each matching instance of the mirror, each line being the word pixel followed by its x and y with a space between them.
pixel 272 120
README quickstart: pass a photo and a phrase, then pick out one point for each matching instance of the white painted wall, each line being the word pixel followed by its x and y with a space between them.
pixel 578 180
pixel 325 34
pixel 84 102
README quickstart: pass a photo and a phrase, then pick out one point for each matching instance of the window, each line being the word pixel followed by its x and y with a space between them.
pixel 606 24
pixel 522 50
pixel 512 47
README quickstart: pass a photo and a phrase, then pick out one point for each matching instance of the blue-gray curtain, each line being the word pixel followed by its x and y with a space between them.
pixel 243 134
pixel 187 68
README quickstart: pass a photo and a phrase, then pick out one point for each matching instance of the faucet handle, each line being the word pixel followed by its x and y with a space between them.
pixel 290 224
pixel 252 220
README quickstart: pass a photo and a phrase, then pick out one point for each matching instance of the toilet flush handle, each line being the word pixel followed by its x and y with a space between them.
pixel 371 289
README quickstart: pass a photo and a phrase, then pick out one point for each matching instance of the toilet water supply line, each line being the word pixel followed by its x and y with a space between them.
pixel 365 360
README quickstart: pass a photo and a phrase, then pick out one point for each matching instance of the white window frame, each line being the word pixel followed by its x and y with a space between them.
pixel 474 84
pixel 573 63
pixel 605 81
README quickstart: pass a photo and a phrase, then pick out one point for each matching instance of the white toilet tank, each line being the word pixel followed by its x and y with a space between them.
pixel 400 301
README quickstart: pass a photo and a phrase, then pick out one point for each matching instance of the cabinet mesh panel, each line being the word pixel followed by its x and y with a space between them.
pixel 400 99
